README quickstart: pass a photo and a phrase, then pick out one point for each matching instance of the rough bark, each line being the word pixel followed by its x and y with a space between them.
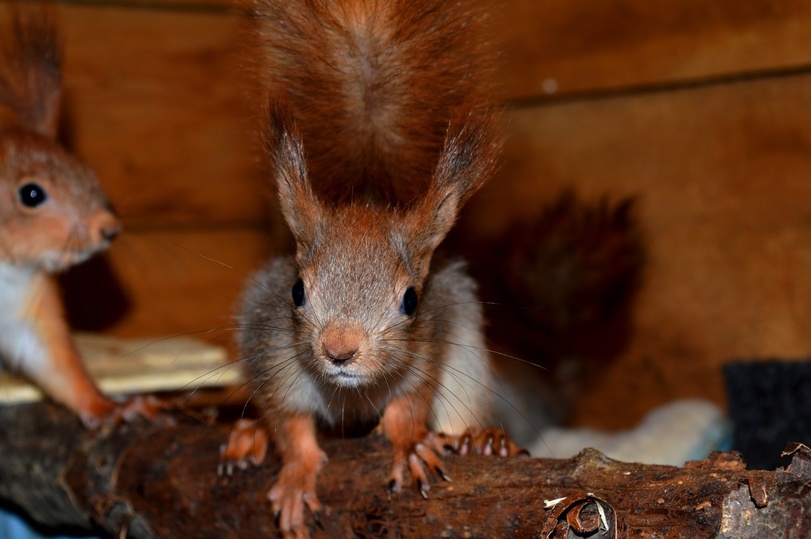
pixel 161 480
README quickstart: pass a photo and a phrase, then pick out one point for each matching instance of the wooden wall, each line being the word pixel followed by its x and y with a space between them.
pixel 701 110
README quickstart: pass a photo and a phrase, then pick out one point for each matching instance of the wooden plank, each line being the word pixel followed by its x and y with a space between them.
pixel 722 175
pixel 154 284
pixel 558 47
pixel 155 102
pixel 161 112
pixel 721 170
pixel 169 132
pixel 138 366
pixel 175 5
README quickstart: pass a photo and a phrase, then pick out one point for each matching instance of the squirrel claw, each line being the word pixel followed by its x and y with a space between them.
pixel 247 445
pixel 423 456
pixel 423 489
pixel 488 442
pixel 317 519
pixel 288 499
pixel 104 412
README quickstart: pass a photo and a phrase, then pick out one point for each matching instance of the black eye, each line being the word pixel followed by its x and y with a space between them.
pixel 32 195
pixel 298 293
pixel 410 301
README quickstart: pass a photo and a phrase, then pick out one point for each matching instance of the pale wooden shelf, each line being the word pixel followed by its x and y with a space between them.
pixel 146 365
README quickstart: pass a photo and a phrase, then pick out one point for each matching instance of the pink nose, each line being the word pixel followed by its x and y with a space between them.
pixel 104 226
pixel 340 344
pixel 341 355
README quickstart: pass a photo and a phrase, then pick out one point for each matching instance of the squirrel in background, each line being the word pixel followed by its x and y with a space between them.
pixel 380 128
pixel 53 214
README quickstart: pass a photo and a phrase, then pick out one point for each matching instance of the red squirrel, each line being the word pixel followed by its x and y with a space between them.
pixel 53 214
pixel 379 129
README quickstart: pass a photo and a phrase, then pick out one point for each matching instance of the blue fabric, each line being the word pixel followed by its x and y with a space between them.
pixel 13 527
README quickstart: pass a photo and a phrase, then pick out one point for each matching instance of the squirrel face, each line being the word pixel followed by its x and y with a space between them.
pixel 356 298
pixel 53 211
pixel 362 267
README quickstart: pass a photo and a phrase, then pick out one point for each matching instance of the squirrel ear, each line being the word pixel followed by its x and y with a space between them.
pixel 31 75
pixel 469 157
pixel 299 205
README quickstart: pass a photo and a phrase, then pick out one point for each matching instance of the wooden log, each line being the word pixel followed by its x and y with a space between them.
pixel 160 480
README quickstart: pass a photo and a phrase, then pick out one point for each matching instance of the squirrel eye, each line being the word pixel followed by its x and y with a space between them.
pixel 298 293
pixel 32 195
pixel 410 301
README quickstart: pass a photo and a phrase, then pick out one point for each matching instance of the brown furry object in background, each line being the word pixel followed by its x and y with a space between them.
pixel 559 291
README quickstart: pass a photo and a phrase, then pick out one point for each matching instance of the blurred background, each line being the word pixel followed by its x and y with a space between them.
pixel 672 138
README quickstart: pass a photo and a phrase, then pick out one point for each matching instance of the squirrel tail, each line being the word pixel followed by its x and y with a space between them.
pixel 571 277
pixel 31 72
pixel 373 85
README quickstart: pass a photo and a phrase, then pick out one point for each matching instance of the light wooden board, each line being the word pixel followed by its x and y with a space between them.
pixel 139 366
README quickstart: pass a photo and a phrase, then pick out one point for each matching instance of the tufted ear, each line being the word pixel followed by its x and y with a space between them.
pixel 31 72
pixel 302 211
pixel 469 157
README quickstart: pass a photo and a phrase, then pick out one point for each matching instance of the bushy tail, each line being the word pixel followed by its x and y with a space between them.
pixel 573 272
pixel 559 293
pixel 31 72
pixel 373 85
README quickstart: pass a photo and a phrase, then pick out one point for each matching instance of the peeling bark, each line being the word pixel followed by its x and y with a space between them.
pixel 160 480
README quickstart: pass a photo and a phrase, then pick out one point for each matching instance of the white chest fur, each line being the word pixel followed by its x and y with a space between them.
pixel 19 344
pixel 15 289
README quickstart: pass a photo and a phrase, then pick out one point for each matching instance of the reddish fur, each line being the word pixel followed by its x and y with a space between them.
pixel 295 487
pixel 247 442
pixel 31 78
pixel 74 222
pixel 374 85
pixel 380 128
pixel 65 380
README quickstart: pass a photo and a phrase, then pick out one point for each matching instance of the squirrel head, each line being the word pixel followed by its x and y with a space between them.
pixel 362 268
pixel 53 211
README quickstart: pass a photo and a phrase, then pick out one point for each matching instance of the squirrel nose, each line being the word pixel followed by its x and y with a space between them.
pixel 109 233
pixel 104 226
pixel 340 344
pixel 339 356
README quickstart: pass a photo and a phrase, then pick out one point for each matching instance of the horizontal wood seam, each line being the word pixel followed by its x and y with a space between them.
pixel 658 87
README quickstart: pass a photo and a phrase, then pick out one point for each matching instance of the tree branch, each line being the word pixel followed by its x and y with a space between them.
pixel 161 480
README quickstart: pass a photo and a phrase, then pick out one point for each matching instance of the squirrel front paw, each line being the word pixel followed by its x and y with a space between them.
pixel 488 441
pixel 104 412
pixel 294 490
pixel 420 455
pixel 247 444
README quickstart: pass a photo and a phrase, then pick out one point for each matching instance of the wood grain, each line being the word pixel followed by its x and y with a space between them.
pixel 161 113
pixel 138 366
pixel 721 174
pixel 124 481
pixel 558 47
pixel 166 283
pixel 156 103
pixel 157 99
